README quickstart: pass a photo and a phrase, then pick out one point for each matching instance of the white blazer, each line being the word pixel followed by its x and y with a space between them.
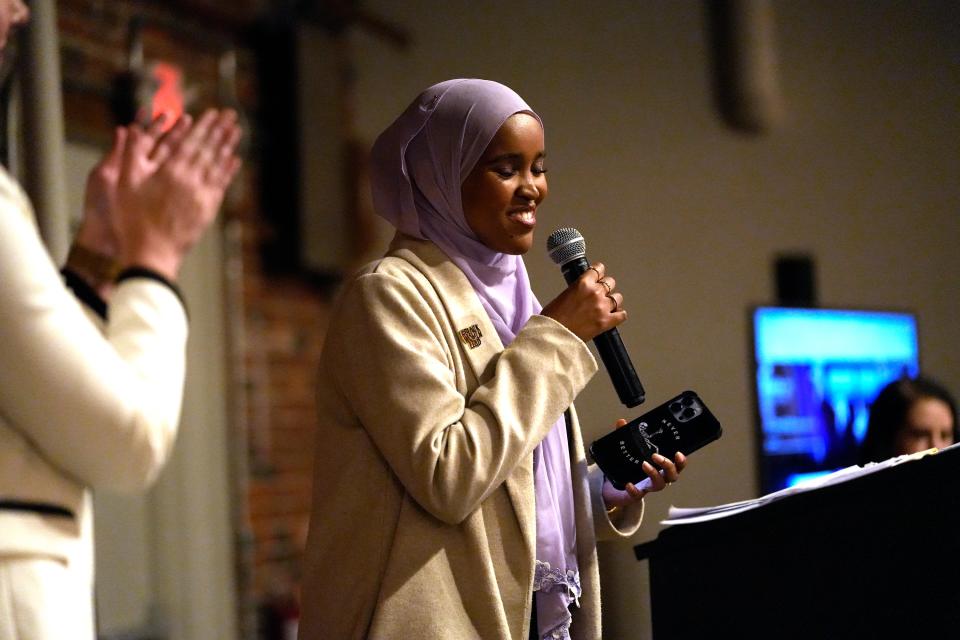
pixel 83 404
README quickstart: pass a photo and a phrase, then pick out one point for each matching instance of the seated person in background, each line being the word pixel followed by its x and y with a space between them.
pixel 909 415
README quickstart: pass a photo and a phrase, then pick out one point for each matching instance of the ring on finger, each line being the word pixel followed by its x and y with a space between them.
pixel 596 271
pixel 616 305
pixel 605 284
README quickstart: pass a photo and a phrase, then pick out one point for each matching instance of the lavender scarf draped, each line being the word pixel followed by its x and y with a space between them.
pixel 418 164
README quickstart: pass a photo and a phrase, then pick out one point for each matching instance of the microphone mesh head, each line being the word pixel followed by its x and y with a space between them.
pixel 566 244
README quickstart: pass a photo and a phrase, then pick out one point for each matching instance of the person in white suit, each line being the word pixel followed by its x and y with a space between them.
pixel 92 360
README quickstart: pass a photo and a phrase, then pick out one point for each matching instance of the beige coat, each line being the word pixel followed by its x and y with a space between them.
pixel 423 522
pixel 82 403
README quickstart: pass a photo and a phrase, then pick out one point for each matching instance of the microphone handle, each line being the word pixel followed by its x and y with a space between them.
pixel 610 347
pixel 615 359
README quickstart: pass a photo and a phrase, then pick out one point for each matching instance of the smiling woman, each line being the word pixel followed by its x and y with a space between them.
pixel 501 194
pixel 453 498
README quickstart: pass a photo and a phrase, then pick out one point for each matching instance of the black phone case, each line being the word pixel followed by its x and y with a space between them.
pixel 683 423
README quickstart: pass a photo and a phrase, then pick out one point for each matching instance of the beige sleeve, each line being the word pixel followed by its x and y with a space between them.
pixel 450 451
pixel 624 523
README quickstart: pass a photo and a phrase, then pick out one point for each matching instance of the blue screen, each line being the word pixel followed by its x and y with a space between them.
pixel 817 371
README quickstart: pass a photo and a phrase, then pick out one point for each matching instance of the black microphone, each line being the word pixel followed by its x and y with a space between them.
pixel 568 249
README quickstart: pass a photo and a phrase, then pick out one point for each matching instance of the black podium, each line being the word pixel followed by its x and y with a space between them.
pixel 877 556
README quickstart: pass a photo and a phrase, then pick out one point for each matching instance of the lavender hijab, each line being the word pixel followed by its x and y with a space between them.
pixel 418 165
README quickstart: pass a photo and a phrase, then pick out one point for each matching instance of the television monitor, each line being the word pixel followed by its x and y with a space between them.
pixel 816 373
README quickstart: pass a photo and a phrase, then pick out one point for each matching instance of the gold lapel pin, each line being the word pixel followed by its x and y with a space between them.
pixel 471 336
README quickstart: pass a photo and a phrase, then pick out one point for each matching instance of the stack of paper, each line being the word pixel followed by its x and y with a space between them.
pixel 690 515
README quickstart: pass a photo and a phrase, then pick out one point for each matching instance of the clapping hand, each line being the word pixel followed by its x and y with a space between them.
pixel 170 187
pixel 99 200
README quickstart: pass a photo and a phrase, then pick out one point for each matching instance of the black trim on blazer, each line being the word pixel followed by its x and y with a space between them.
pixel 84 292
pixel 150 274
pixel 37 507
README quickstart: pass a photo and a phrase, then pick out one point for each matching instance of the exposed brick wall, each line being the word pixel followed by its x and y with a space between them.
pixel 283 318
pixel 286 325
